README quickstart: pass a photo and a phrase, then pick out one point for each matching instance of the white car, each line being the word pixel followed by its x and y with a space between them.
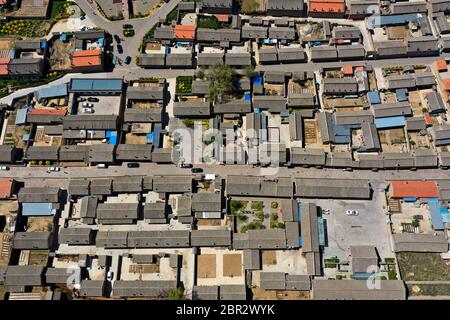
pixel 85 104
pixel 352 212
pixel 88 110
pixel 326 211
pixel 110 276
pixel 4 168
pixel 53 169
pixel 102 166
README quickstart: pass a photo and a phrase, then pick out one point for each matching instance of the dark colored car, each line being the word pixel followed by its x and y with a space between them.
pixel 127 26
pixel 127 60
pixel 119 49
pixel 133 165
pixel 196 170
pixel 117 38
pixel 92 99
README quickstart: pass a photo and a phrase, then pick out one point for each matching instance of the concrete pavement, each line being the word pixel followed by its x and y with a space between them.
pixel 222 170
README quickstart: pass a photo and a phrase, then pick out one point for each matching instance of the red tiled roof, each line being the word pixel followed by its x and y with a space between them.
pixel 428 120
pixel 347 69
pixel 222 17
pixel 59 112
pixel 414 189
pixel 441 65
pixel 447 84
pixel 85 58
pixel 4 65
pixel 327 6
pixel 6 188
pixel 184 32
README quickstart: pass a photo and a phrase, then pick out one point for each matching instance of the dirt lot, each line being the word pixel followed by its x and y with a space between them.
pixel 206 266
pixel 60 55
pixel 209 222
pixel 135 139
pixel 261 294
pixel 39 224
pixel 417 141
pixel 310 131
pixel 38 257
pixel 415 266
pixel 269 258
pixel 144 268
pixel 429 289
pixel 232 265
pixel 397 32
pixel 393 140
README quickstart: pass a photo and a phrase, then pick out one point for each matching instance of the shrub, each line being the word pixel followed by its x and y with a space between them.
pixel 257 205
pixel 41 162
pixel 176 294
pixel 48 162
pixel 424 110
pixel 274 204
pixel 260 215
pixel 236 206
pixel 392 275
pixel 188 123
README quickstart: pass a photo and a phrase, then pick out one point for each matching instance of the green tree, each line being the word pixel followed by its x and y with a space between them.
pixel 220 81
pixel 176 294
pixel 250 72
pixel 201 74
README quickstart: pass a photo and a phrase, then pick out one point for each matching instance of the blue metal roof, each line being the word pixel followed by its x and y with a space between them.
pixel 435 213
pixel 50 92
pixel 401 95
pixel 379 21
pixel 374 97
pixel 321 229
pixel 96 85
pixel 21 116
pixel 389 122
pixel 37 209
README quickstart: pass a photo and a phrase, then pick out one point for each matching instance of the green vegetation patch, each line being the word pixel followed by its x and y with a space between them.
pixel 418 266
pixel 183 85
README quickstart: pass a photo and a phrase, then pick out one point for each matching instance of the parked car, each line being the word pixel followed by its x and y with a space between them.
pixel 196 170
pixel 92 99
pixel 119 48
pixel 133 165
pixel 109 275
pixel 186 165
pixel 85 104
pixel 102 166
pixel 127 26
pixel 53 169
pixel 326 211
pixel 4 168
pixel 127 60
pixel 117 38
pixel 352 212
pixel 88 110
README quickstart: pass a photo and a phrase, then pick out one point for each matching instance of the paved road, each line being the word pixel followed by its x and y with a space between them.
pixel 141 26
pixel 224 171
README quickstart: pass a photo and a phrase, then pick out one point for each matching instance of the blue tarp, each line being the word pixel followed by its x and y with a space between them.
pixel 37 209
pixel 257 80
pixel 43 44
pixel 248 97
pixel 96 85
pixel 389 122
pixel 410 199
pixel 444 214
pixel 156 137
pixel 21 116
pixel 321 228
pixel 361 275
pixel 150 137
pixel 435 213
pixel 401 95
pixel 59 90
pixel 63 37
pixel 374 97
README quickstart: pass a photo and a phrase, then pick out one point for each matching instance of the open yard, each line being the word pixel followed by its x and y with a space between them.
pixel 206 266
pixel 38 257
pixel 39 224
pixel 393 140
pixel 428 289
pixel 417 266
pixel 269 257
